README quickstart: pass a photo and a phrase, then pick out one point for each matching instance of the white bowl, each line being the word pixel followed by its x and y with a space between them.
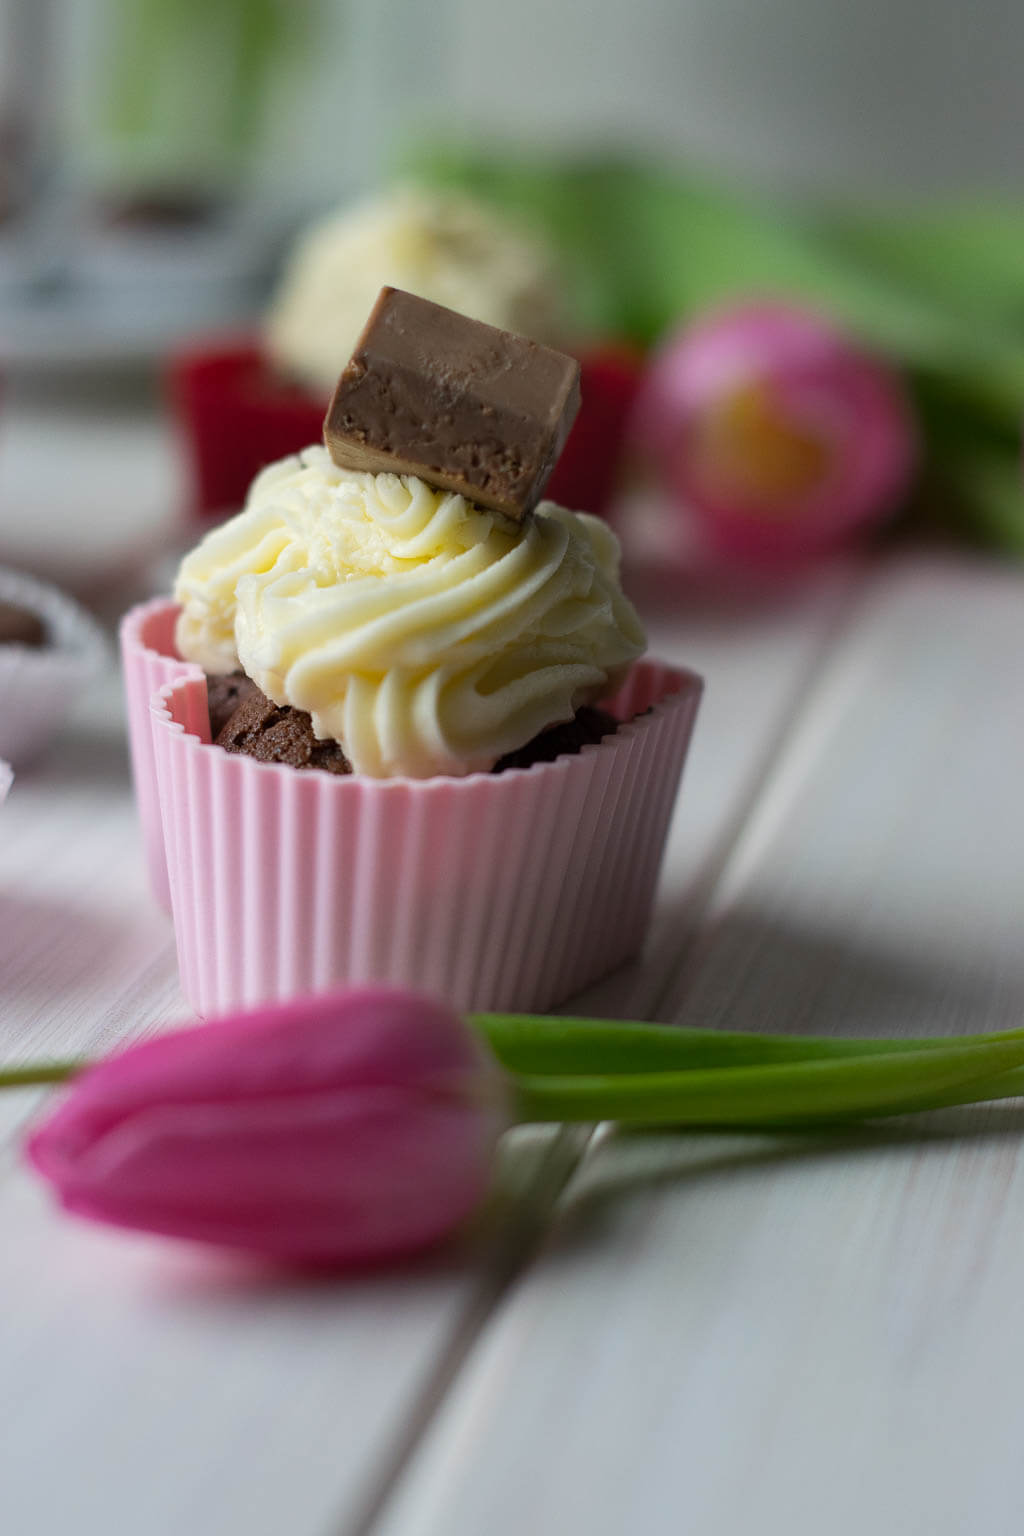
pixel 38 686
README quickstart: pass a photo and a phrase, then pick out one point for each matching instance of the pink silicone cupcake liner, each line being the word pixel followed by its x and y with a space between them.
pixel 511 890
pixel 39 686
pixel 150 660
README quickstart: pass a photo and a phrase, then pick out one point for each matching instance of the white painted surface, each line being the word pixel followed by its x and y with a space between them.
pixel 151 1390
pixel 718 1332
pixel 174 1390
pixel 726 1334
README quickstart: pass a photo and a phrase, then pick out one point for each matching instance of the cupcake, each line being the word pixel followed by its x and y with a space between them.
pixel 244 402
pixel 49 650
pixel 397 734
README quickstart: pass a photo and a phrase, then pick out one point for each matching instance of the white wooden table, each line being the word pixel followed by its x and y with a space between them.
pixel 668 1334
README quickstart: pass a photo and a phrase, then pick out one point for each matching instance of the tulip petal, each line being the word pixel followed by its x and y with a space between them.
pixel 777 435
pixel 345 1128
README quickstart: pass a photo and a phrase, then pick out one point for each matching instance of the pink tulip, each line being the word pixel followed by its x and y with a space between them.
pixel 348 1128
pixel 775 434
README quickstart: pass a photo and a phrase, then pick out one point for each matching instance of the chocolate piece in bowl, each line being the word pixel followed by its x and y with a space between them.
pixel 50 648
pixel 463 405
pixel 20 626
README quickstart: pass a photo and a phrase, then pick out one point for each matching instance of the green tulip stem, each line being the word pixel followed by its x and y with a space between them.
pixel 39 1072
pixel 529 1045
pixel 812 1092
pixel 650 1074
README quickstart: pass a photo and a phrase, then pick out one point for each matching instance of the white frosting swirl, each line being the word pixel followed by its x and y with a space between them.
pixel 442 246
pixel 425 635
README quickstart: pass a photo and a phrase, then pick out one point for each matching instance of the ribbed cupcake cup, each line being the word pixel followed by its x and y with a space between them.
pixel 6 779
pixel 150 660
pixel 509 890
pixel 39 685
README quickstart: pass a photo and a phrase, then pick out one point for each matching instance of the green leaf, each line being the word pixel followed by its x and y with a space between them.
pixel 817 1092
pixel 655 247
pixel 986 489
pixel 970 257
pixel 535 1044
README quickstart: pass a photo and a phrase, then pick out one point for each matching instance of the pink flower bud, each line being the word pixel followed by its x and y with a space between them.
pixel 348 1128
pixel 774 433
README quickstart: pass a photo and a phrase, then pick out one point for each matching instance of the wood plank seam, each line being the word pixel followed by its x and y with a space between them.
pixel 519 1242
pixel 714 868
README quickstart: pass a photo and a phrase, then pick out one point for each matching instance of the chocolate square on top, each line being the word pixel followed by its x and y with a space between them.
pixel 466 406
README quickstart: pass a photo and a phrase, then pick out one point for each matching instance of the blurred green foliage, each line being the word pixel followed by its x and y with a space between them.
pixel 940 292
pixel 182 86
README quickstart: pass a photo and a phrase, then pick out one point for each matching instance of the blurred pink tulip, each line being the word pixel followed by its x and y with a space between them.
pixel 346 1129
pixel 776 435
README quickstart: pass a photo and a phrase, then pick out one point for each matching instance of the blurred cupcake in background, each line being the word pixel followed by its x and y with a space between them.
pixel 244 402
pixel 396 723
pixel 441 245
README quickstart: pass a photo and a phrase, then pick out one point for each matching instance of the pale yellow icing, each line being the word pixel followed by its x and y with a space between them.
pixel 425 635
pixel 440 245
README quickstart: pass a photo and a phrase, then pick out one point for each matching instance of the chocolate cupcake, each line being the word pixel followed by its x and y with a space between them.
pixel 439 759
pixel 503 890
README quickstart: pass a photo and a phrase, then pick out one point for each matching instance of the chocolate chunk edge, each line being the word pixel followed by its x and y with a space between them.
pixel 465 406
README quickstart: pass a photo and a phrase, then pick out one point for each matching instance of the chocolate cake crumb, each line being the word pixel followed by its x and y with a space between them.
pixel 588 727
pixel 224 692
pixel 276 733
pixel 253 725
pixel 20 626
